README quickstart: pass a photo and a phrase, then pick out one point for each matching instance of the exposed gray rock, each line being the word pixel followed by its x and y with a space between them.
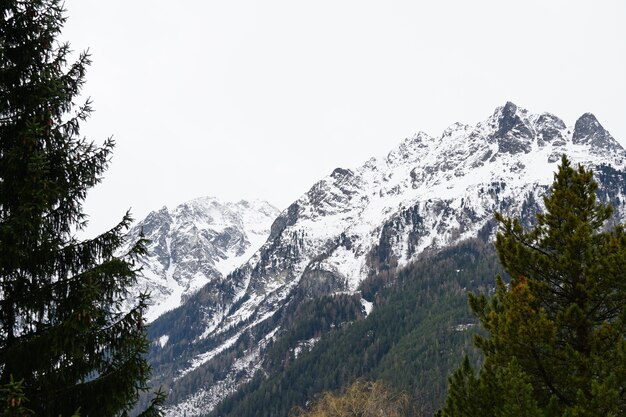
pixel 549 128
pixel 514 135
pixel 590 132
pixel 197 243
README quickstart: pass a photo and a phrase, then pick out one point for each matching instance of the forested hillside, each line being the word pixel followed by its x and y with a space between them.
pixel 415 336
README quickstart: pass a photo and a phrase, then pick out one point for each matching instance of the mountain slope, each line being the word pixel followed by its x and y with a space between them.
pixel 427 194
pixel 196 243
pixel 414 338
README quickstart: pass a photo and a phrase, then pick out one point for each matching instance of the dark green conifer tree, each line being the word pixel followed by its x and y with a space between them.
pixel 560 326
pixel 65 343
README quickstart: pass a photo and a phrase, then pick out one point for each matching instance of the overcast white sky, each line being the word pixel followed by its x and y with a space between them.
pixel 260 99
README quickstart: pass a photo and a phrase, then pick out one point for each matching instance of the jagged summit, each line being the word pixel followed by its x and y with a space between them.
pixel 588 131
pixel 550 129
pixel 510 130
pixel 515 133
pixel 195 243
pixel 516 130
pixel 586 126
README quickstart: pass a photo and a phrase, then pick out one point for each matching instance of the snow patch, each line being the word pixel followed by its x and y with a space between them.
pixel 464 327
pixel 304 346
pixel 163 340
pixel 205 357
pixel 367 306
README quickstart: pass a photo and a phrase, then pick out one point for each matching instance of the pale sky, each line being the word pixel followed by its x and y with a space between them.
pixel 243 99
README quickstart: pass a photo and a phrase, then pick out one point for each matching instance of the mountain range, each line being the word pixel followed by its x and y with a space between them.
pixel 426 195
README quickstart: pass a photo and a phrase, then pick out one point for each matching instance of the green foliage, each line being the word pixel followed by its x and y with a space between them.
pixel 14 400
pixel 557 332
pixel 63 333
pixel 504 392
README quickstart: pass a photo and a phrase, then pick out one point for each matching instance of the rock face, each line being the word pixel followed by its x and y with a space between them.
pixel 588 131
pixel 197 243
pixel 514 134
pixel 427 193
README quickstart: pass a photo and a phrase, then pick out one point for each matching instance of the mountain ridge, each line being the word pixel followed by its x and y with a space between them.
pixel 425 194
pixel 195 243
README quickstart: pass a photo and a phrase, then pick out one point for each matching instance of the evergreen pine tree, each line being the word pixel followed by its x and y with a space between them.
pixel 560 325
pixel 63 334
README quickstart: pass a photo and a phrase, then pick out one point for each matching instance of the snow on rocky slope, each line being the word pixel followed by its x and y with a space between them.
pixel 427 193
pixel 196 243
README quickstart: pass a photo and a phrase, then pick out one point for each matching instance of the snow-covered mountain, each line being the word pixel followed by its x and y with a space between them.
pixel 427 193
pixel 196 243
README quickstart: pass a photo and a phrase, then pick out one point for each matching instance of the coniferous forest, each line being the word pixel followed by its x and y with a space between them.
pixel 415 336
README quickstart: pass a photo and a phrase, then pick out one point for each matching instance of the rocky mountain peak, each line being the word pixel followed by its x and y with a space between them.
pixel 587 125
pixel 409 149
pixel 339 173
pixel 198 242
pixel 589 131
pixel 549 128
pixel 508 118
pixel 156 220
pixel 514 132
